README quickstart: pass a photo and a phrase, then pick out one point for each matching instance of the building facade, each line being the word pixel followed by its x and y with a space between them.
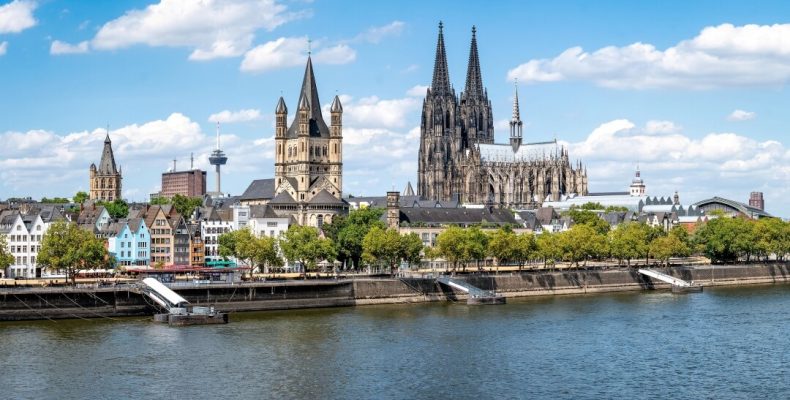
pixel 130 243
pixel 190 183
pixel 459 159
pixel 105 181
pixel 308 168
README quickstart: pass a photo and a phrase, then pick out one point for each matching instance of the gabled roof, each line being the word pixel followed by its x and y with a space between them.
pixel 259 189
pixel 323 197
pixel 262 211
pixel 545 215
pixel 460 216
pixel 282 198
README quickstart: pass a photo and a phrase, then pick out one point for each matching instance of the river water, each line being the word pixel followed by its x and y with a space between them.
pixel 723 343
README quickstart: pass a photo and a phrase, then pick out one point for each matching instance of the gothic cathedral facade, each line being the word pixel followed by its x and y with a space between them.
pixel 308 168
pixel 105 181
pixel 458 156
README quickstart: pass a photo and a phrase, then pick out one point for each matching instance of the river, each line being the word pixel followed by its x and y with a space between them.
pixel 723 343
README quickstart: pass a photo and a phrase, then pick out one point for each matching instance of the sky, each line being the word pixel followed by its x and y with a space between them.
pixel 694 93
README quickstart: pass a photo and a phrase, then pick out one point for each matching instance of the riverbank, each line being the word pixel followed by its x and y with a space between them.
pixel 122 301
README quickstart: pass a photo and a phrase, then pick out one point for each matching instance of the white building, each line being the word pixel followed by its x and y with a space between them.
pixel 24 229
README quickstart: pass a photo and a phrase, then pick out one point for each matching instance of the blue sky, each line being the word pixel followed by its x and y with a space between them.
pixel 695 92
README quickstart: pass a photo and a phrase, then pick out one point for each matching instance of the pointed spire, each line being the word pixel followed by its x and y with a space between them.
pixel 281 108
pixel 336 106
pixel 516 111
pixel 474 79
pixel 107 163
pixel 441 77
pixel 309 97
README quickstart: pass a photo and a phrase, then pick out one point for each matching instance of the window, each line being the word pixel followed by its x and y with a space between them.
pixel 271 224
pixel 38 228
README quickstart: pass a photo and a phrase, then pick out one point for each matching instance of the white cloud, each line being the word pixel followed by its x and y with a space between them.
pixel 655 127
pixel 373 112
pixel 59 47
pixel 417 90
pixel 741 115
pixel 228 117
pixel 719 56
pixel 17 16
pixel 377 33
pixel 289 52
pixel 3 48
pixel 212 28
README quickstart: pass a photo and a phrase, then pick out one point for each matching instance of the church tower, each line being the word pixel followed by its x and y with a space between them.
pixel 476 117
pixel 440 133
pixel 308 167
pixel 105 181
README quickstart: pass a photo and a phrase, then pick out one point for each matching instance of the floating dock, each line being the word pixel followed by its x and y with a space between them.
pixel 476 295
pixel 678 285
pixel 179 311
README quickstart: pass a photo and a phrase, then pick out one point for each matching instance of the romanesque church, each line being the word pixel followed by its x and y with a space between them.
pixel 105 181
pixel 459 159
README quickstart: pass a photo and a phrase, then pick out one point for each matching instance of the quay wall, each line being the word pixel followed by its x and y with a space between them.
pixel 55 303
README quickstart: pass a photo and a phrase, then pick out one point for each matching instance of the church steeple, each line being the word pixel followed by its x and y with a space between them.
pixel 441 77
pixel 474 79
pixel 516 126
pixel 309 95
pixel 107 163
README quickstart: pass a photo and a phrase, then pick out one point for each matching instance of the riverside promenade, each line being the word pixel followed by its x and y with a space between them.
pixel 18 303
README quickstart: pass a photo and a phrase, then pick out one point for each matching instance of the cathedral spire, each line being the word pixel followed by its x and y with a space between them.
pixel 441 77
pixel 474 79
pixel 516 126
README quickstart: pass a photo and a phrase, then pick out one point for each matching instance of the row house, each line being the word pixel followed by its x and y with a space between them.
pixel 160 220
pixel 214 221
pixel 131 242
pixel 24 229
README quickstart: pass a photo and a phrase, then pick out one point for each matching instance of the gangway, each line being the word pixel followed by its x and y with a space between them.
pixel 476 295
pixel 678 285
pixel 179 312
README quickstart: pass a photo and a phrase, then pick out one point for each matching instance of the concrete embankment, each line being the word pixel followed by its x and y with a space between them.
pixel 22 304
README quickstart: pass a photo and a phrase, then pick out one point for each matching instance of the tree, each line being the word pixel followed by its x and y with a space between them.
pixel 580 243
pixel 548 248
pixel 117 209
pixel 66 247
pixel 347 233
pixel 158 201
pixel 450 244
pixel 302 244
pixel 475 245
pixel 411 248
pixel 525 249
pixel 383 246
pixel 431 254
pixel 628 241
pixel 55 200
pixel 586 217
pixel 80 197
pixel 726 239
pixel 503 245
pixel 6 259
pixel 186 205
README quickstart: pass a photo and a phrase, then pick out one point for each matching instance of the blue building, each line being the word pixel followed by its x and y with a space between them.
pixel 130 242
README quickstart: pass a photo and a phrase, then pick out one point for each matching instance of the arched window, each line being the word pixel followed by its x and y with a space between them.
pixel 324 151
pixel 320 221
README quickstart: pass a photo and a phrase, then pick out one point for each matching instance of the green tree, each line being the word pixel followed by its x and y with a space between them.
pixel 158 201
pixel 726 239
pixel 186 205
pixel 6 259
pixel 584 216
pixel 475 245
pixel 66 247
pixel 526 248
pixel 629 241
pixel 347 233
pixel 503 245
pixel 664 247
pixel 411 248
pixel 383 246
pixel 117 208
pixel 80 197
pixel 55 200
pixel 548 248
pixel 450 244
pixel 303 245
pixel 581 243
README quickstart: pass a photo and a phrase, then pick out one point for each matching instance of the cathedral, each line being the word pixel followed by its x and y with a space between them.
pixel 308 168
pixel 458 156
pixel 105 181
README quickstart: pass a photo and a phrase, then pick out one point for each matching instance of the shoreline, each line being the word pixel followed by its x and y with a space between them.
pixel 109 302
